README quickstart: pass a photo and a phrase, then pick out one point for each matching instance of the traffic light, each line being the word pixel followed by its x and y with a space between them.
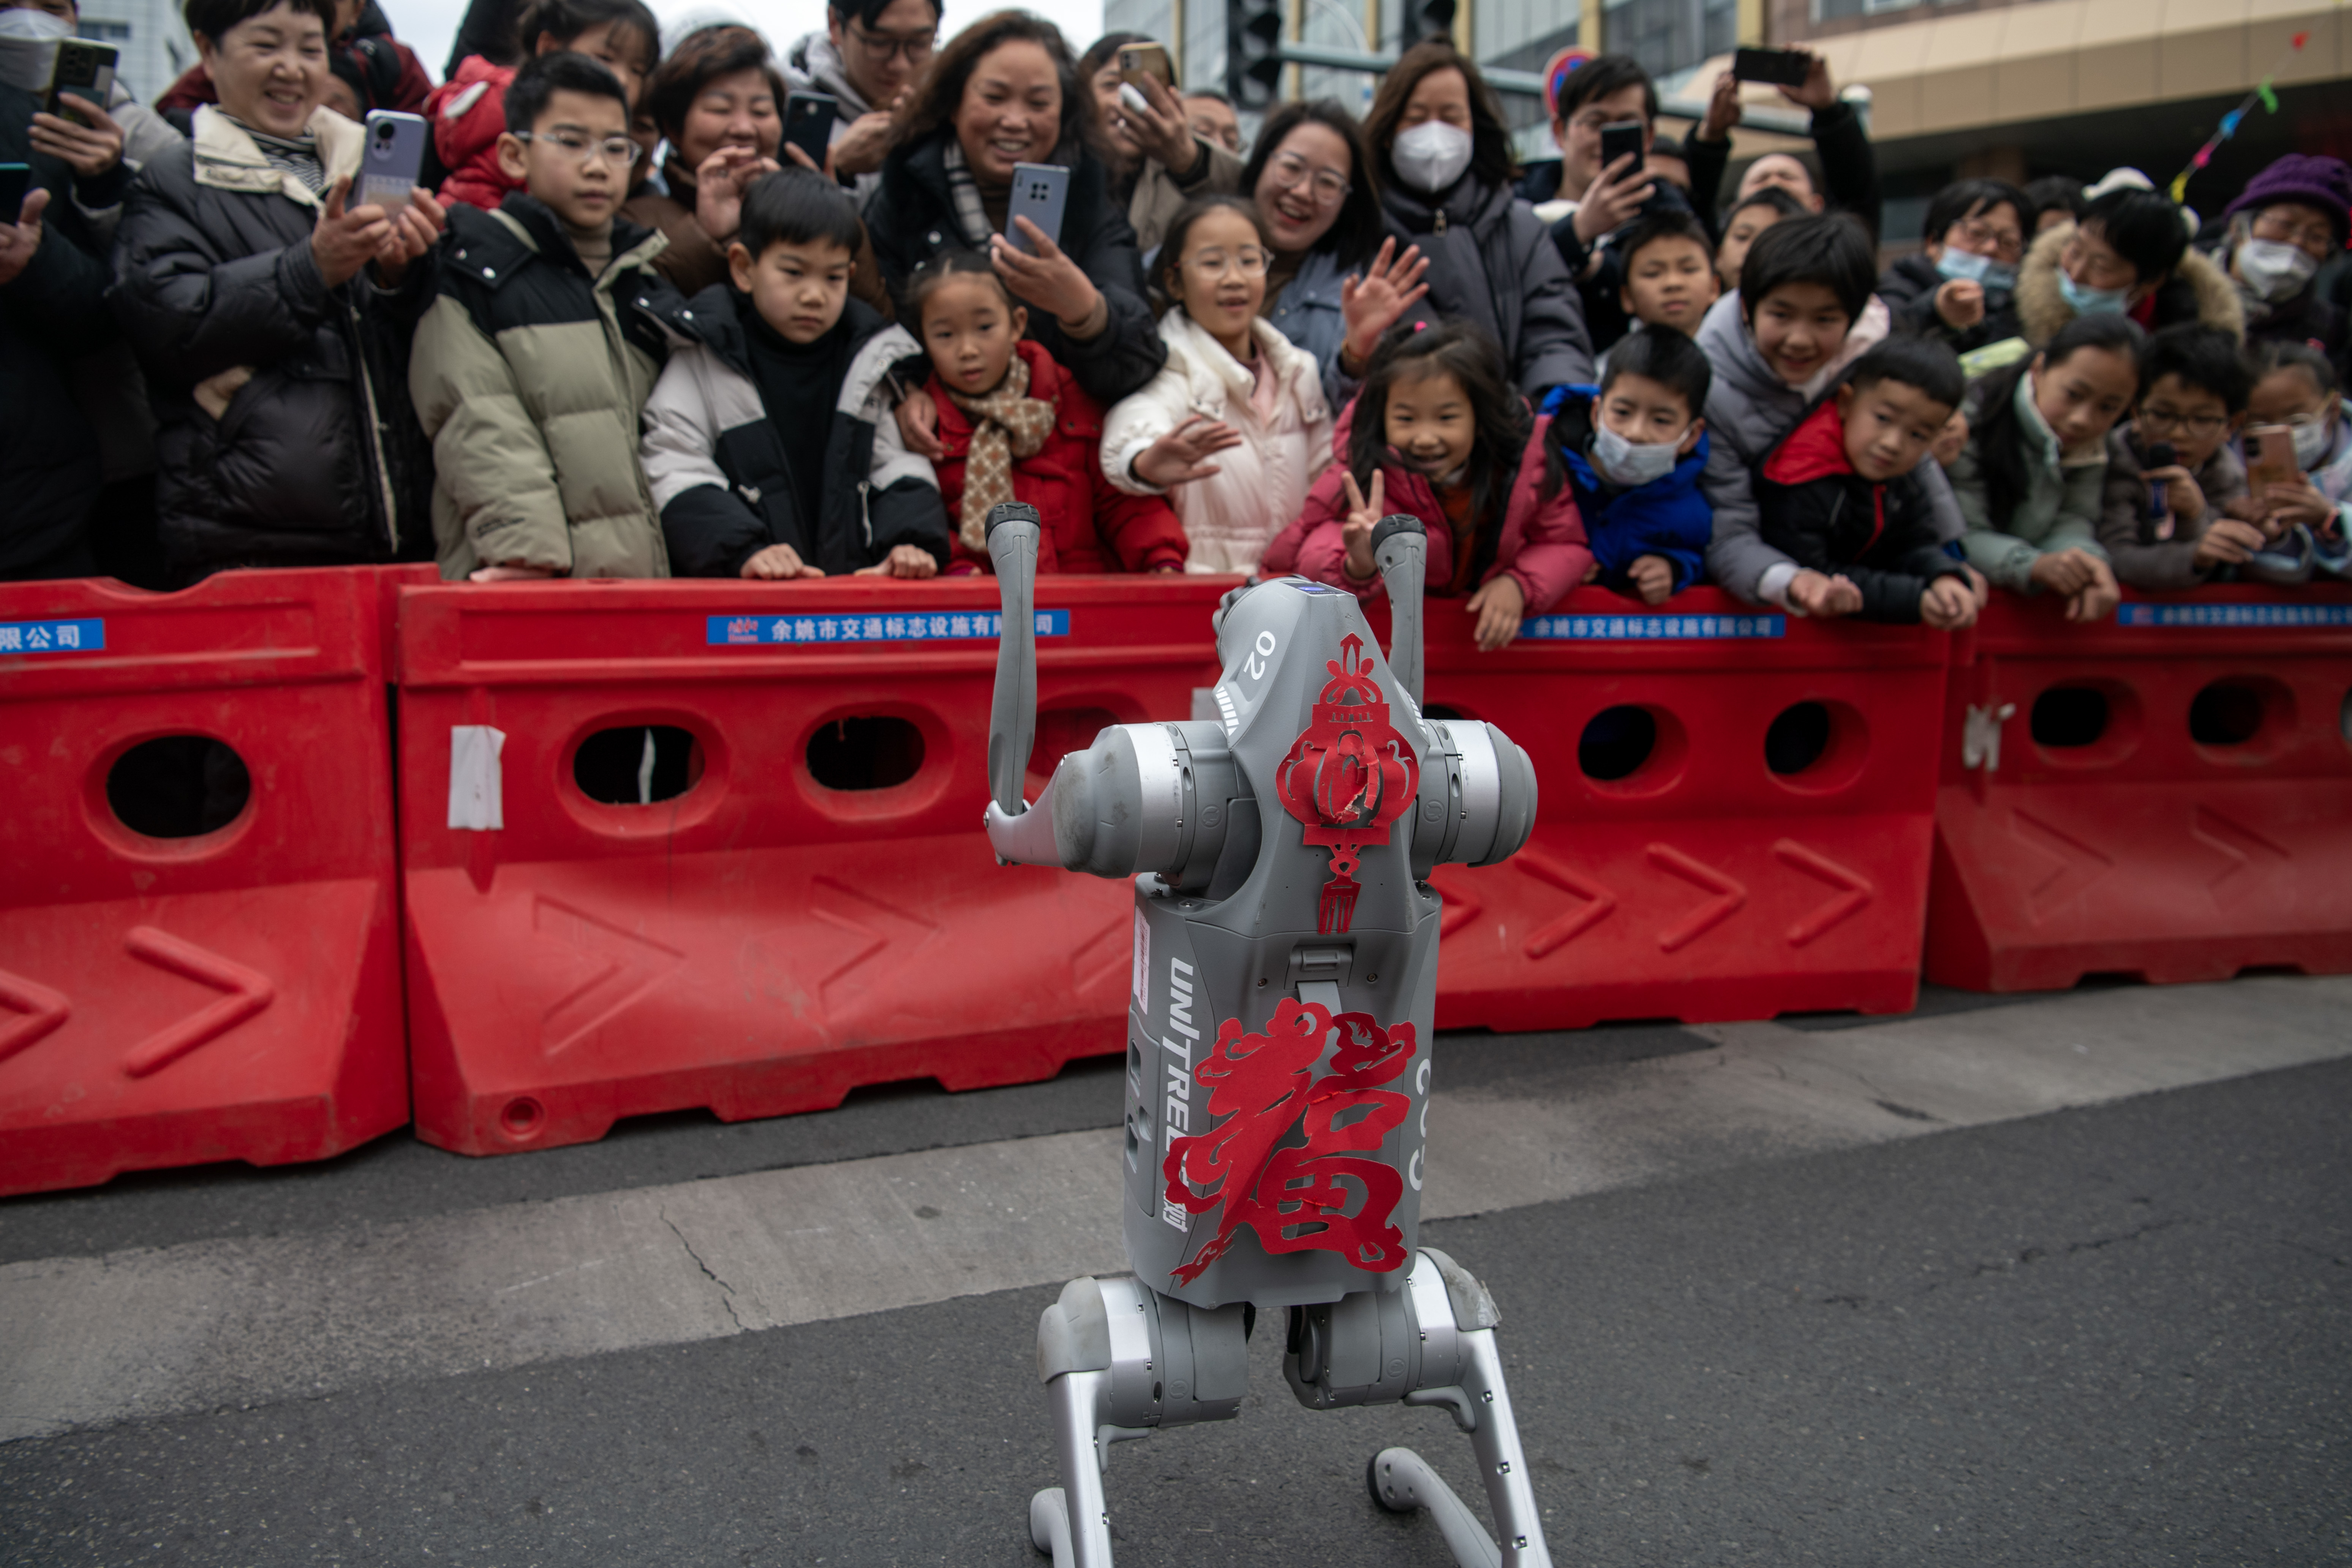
pixel 1254 30
pixel 1427 19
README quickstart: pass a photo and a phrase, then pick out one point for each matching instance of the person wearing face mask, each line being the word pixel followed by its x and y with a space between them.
pixel 1631 452
pixel 2127 256
pixel 1961 286
pixel 2283 228
pixel 1445 166
pixel 2307 522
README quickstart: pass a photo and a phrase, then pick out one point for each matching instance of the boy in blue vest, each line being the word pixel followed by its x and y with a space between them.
pixel 1631 450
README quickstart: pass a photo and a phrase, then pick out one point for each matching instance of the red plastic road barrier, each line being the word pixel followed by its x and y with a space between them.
pixel 233 995
pixel 792 896
pixel 1699 883
pixel 2168 796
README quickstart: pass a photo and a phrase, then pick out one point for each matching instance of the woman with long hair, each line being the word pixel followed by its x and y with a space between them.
pixel 1006 91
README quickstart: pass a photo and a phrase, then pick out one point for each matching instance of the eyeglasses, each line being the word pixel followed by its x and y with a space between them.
pixel 2278 224
pixel 587 148
pixel 880 47
pixel 1217 263
pixel 1328 187
pixel 2006 243
pixel 2198 425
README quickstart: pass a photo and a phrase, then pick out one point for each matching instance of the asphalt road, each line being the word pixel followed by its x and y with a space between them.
pixel 2114 1333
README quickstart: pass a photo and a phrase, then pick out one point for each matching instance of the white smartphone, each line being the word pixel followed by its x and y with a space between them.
pixel 392 160
pixel 1040 192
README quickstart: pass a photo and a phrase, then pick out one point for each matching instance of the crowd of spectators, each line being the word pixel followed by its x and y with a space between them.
pixel 624 327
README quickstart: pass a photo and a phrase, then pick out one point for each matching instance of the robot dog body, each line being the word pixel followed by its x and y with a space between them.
pixel 1278 1039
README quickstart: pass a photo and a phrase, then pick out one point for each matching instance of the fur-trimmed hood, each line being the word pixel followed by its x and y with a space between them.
pixel 2198 291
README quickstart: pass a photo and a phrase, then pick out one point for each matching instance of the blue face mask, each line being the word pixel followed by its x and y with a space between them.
pixel 2092 301
pixel 1967 266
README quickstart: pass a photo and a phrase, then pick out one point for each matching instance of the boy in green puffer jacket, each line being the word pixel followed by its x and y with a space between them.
pixel 531 369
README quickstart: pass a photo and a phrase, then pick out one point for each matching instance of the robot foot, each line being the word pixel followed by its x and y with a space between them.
pixel 1430 1343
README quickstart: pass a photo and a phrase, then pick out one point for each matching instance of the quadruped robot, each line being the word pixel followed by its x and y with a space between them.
pixel 1278 1037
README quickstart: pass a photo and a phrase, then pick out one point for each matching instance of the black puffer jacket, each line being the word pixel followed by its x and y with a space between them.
pixel 1909 288
pixel 1493 261
pixel 912 218
pixel 51 311
pixel 317 458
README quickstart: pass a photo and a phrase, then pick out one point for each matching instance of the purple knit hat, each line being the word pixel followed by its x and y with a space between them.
pixel 2322 183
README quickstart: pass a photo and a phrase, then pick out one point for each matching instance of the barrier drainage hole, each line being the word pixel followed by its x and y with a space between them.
pixel 1797 738
pixel 638 764
pixel 520 1118
pixel 869 752
pixel 2225 714
pixel 1616 741
pixel 2070 716
pixel 178 786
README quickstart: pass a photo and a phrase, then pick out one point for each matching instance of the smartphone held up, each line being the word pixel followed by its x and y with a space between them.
pixel 1040 192
pixel 392 160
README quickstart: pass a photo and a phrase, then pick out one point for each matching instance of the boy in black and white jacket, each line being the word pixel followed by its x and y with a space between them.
pixel 768 442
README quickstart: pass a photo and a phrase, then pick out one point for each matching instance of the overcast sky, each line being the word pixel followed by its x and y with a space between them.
pixel 428 25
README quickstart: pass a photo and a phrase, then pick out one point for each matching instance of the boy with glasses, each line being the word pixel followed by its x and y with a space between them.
pixel 1961 286
pixel 868 58
pixel 2162 522
pixel 531 369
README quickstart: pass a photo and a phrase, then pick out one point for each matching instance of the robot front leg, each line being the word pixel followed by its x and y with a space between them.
pixel 1430 1343
pixel 1120 1361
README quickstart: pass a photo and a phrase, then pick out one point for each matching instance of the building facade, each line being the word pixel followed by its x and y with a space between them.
pixel 150 40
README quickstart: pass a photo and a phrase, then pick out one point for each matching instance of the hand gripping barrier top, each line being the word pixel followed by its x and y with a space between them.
pixel 232 995
pixel 789 894
pixel 1735 818
pixel 2168 795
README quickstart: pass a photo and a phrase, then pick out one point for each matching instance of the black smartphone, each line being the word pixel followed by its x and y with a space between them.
pixel 86 70
pixel 1781 67
pixel 1619 138
pixel 808 122
pixel 15 179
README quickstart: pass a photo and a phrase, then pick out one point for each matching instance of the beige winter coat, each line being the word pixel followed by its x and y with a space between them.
pixel 1261 485
pixel 2198 291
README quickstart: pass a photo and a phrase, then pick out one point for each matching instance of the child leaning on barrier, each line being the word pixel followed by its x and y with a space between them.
pixel 1439 432
pixel 1233 428
pixel 530 368
pixel 1631 451
pixel 1837 493
pixel 1803 312
pixel 2308 518
pixel 2173 477
pixel 768 442
pixel 1014 426
pixel 2031 477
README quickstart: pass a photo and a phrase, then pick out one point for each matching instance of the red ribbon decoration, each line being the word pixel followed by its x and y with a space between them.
pixel 1349 775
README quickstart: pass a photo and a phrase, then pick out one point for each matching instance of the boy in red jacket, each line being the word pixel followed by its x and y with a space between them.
pixel 1836 494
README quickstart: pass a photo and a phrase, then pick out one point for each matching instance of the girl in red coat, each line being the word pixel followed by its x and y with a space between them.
pixel 1439 432
pixel 469 112
pixel 1016 427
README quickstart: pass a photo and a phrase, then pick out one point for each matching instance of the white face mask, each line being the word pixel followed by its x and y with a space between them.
pixel 1628 464
pixel 1968 266
pixel 1431 156
pixel 2312 440
pixel 28 48
pixel 2273 271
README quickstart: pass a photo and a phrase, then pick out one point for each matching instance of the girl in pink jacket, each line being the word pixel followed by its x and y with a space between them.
pixel 1439 431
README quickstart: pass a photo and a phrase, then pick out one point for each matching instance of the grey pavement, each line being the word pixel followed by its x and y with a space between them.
pixel 2060 1280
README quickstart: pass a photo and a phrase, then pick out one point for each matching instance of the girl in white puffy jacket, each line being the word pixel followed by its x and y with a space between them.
pixel 1234 428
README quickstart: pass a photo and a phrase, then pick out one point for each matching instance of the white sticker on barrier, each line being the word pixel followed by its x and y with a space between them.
pixel 477 802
